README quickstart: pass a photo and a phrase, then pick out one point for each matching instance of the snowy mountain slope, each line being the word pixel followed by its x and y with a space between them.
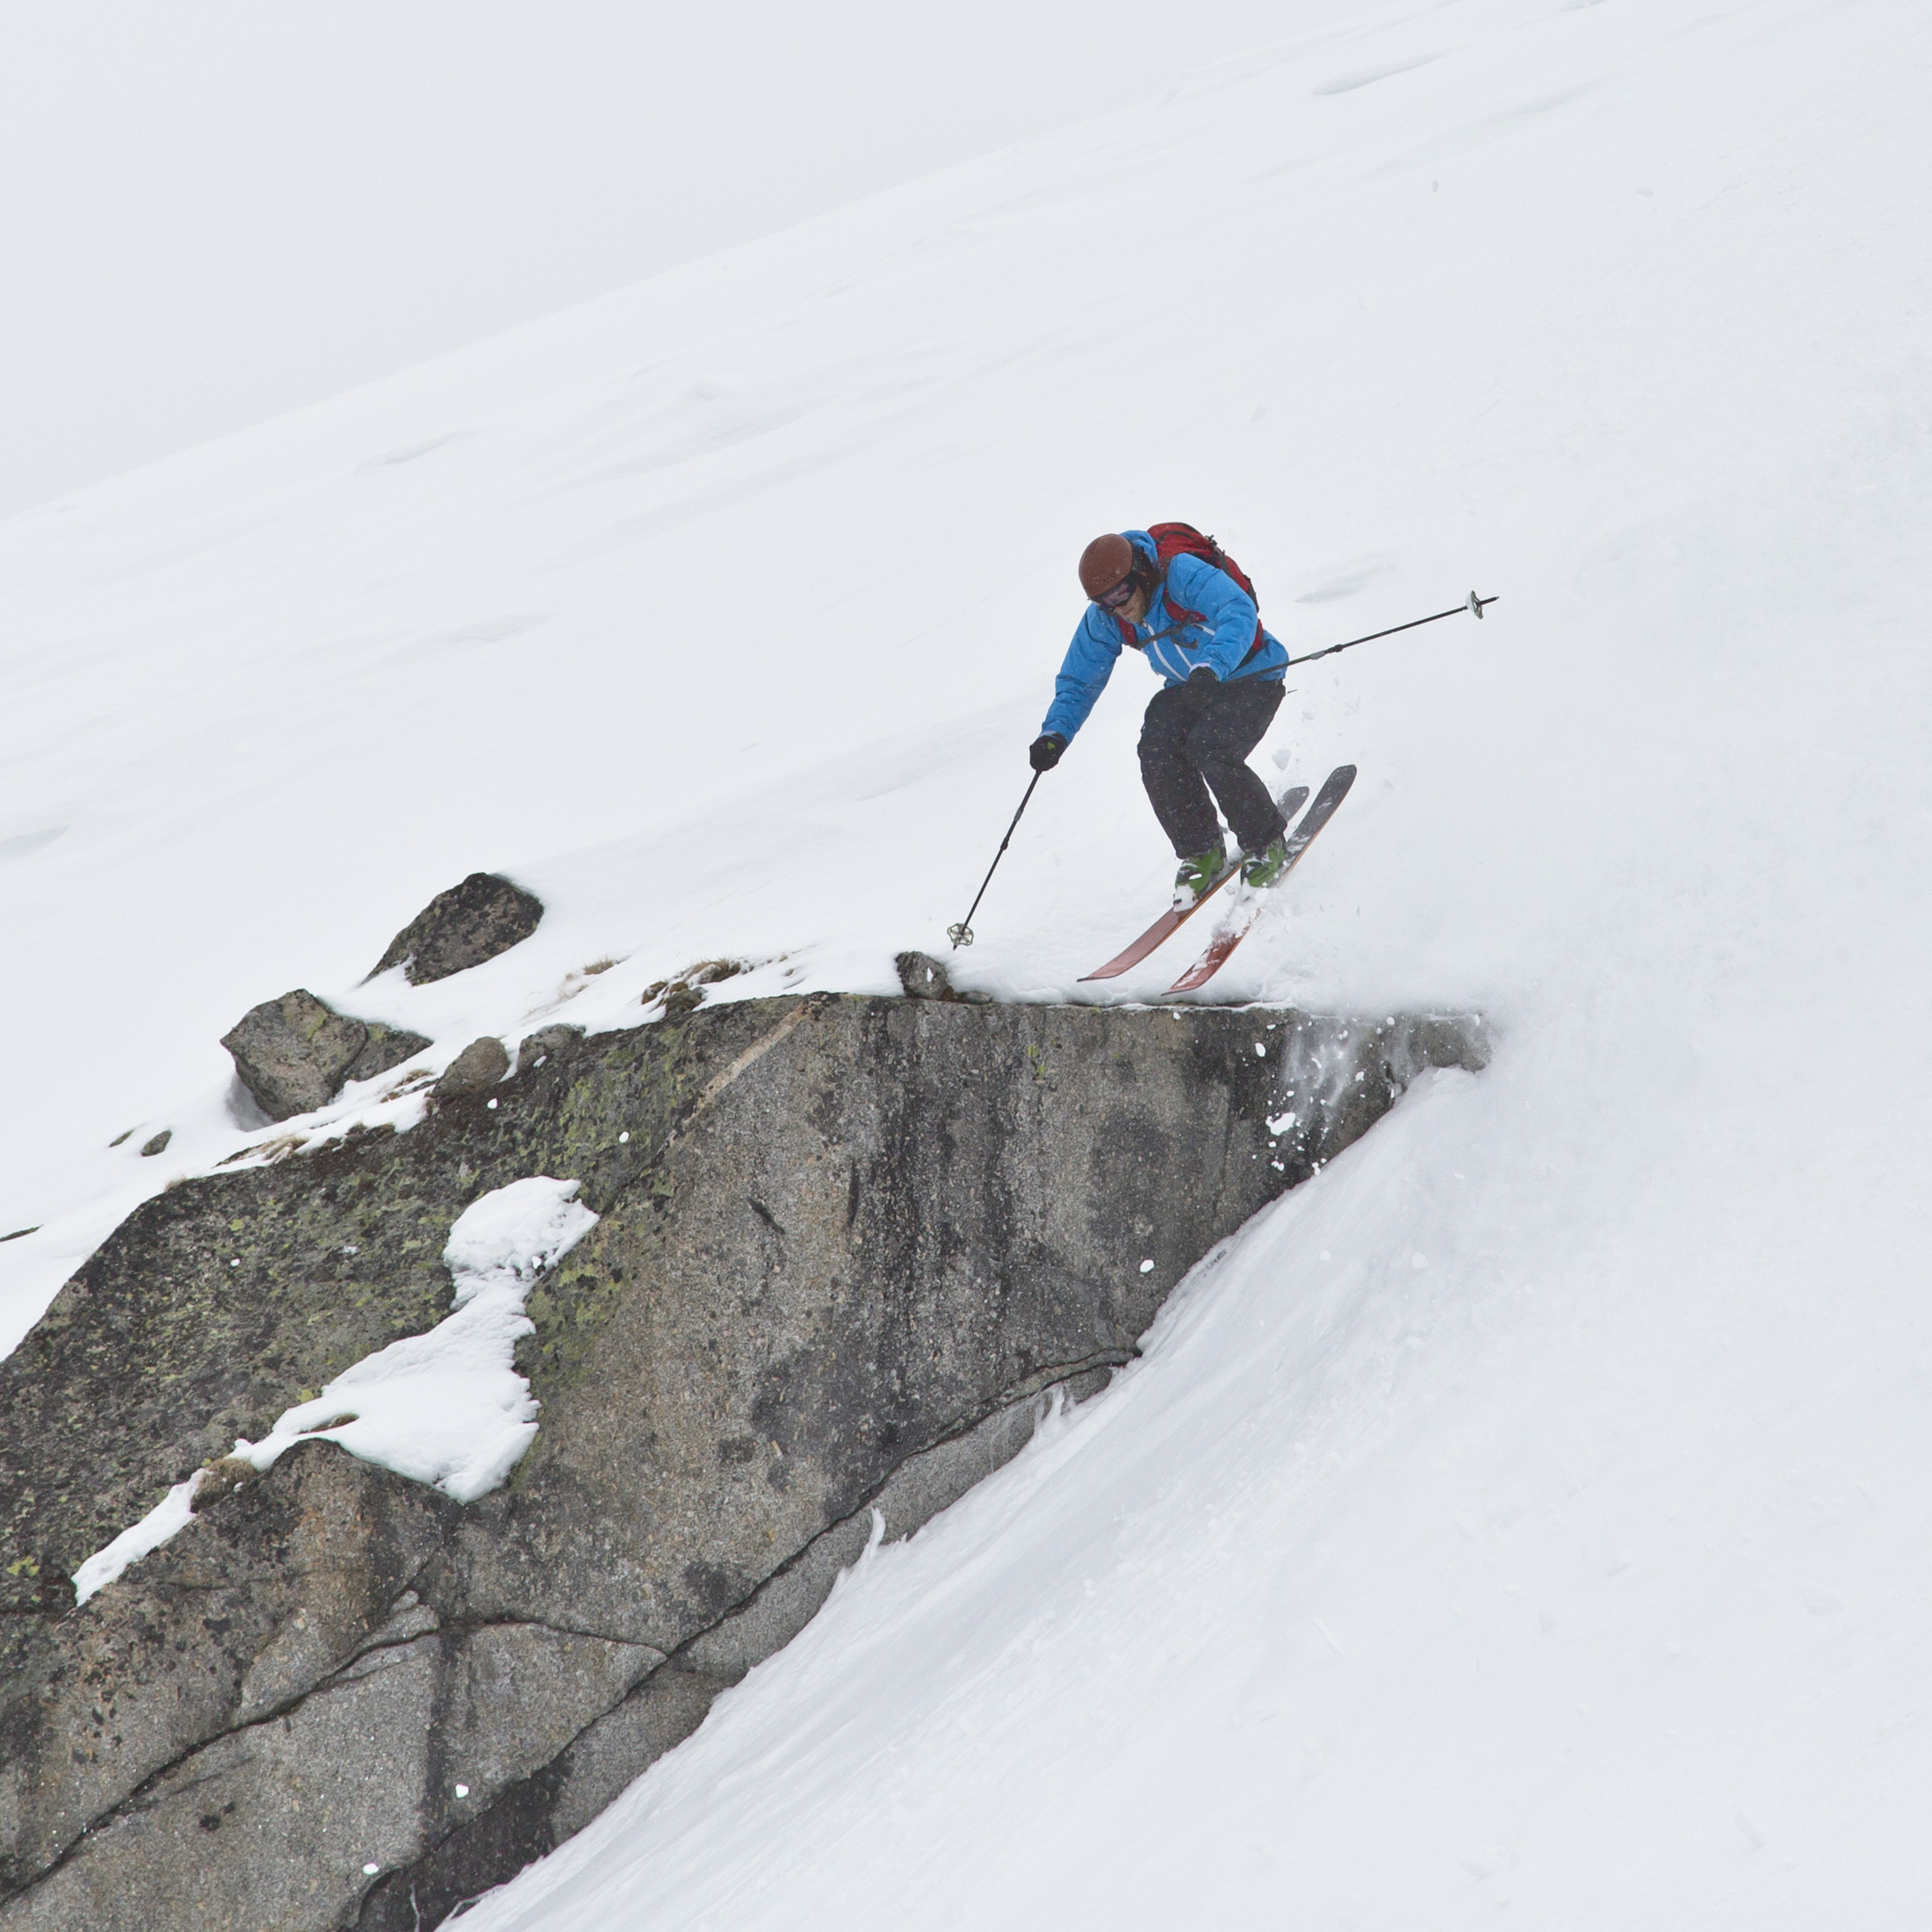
pixel 1362 1602
pixel 1528 1510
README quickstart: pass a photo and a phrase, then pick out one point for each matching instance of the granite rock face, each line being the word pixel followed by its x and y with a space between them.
pixel 848 1247
pixel 295 1054
pixel 471 922
pixel 273 1593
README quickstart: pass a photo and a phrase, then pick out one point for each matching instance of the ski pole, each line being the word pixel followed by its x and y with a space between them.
pixel 1474 607
pixel 962 934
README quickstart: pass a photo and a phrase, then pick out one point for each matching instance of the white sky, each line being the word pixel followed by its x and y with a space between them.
pixel 211 212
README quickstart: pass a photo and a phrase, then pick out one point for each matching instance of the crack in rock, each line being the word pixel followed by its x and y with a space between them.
pixel 951 1222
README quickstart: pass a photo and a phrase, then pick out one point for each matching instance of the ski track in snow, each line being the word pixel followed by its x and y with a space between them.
pixel 1528 1513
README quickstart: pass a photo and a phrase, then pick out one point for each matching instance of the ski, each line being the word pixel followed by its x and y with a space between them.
pixel 1171 922
pixel 1236 927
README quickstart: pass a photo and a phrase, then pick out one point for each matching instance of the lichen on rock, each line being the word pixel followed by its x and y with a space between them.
pixel 296 1054
pixel 461 927
pixel 847 1244
pixel 475 1070
pixel 924 977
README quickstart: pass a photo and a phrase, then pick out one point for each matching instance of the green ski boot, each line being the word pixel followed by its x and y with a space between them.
pixel 1198 876
pixel 1263 868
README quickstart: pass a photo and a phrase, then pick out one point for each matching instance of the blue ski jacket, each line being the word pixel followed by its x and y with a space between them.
pixel 1174 648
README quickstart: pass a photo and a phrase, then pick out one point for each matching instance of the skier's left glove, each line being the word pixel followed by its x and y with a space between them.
pixel 1201 686
pixel 1044 753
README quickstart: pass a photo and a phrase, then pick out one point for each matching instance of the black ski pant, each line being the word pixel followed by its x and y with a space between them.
pixel 1187 750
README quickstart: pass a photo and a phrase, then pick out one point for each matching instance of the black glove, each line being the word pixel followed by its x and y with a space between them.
pixel 1044 753
pixel 1201 686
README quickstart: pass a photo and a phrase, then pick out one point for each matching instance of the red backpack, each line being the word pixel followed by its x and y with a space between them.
pixel 1172 540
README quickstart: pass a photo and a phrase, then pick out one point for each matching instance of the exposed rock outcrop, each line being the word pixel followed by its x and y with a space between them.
pixel 476 1069
pixel 847 1245
pixel 295 1054
pixel 471 922
pixel 925 977
pixel 535 1048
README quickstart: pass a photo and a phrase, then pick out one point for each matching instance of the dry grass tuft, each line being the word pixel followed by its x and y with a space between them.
pixel 686 992
pixel 221 1479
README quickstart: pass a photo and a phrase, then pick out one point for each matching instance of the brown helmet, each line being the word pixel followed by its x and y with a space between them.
pixel 1104 562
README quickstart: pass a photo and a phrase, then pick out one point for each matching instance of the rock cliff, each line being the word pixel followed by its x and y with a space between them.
pixel 848 1247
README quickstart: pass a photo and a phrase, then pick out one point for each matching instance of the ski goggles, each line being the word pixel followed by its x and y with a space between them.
pixel 1120 596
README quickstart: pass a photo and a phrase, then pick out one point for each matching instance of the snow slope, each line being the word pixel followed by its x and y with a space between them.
pixel 1530 1511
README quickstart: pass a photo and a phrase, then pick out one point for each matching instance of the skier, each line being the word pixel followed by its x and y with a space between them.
pixel 1173 593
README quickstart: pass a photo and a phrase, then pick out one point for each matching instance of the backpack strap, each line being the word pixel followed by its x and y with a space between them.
pixel 1185 616
pixel 1172 540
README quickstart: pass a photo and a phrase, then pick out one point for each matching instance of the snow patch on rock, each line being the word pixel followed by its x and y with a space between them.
pixel 446 1407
